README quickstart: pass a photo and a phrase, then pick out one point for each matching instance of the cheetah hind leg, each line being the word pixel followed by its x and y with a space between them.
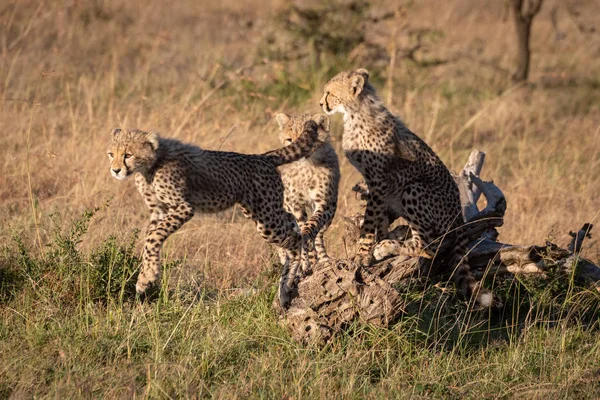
pixel 282 255
pixel 309 257
pixel 308 254
pixel 284 233
pixel 289 274
pixel 298 258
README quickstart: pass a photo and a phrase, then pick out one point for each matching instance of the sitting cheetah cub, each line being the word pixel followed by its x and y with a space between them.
pixel 310 183
pixel 177 179
pixel 402 174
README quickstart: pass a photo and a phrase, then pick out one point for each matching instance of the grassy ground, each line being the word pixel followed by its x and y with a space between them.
pixel 72 71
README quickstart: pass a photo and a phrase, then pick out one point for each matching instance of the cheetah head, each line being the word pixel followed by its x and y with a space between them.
pixel 343 92
pixel 290 127
pixel 131 151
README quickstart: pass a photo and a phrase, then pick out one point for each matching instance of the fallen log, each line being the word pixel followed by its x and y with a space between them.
pixel 339 293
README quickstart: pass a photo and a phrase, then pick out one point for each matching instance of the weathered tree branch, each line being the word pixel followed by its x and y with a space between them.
pixel 468 194
pixel 481 224
pixel 583 233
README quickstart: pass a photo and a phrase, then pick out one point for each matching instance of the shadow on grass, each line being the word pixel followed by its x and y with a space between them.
pixel 435 316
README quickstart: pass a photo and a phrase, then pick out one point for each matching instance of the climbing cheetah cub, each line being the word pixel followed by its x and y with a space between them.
pixel 311 184
pixel 403 175
pixel 177 179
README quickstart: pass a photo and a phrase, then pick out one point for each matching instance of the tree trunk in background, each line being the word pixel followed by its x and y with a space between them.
pixel 523 12
pixel 523 33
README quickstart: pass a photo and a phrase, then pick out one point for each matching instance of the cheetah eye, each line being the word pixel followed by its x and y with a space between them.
pixel 128 155
pixel 288 140
pixel 110 154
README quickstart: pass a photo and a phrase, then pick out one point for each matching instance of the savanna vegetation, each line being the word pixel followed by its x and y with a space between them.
pixel 216 73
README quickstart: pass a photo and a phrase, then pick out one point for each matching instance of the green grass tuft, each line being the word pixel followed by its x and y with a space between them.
pixel 70 323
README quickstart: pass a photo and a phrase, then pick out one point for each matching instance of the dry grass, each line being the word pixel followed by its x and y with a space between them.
pixel 71 71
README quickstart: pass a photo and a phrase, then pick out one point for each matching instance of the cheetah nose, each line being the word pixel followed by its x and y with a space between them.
pixel 116 170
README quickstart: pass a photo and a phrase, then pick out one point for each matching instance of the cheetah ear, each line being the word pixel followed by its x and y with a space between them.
pixel 358 81
pixel 282 120
pixel 322 120
pixel 152 137
pixel 115 131
pixel 363 72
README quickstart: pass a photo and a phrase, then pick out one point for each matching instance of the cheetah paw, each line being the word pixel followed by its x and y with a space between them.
pixel 147 283
pixel 284 298
pixel 386 248
pixel 141 288
pixel 286 294
pixel 363 259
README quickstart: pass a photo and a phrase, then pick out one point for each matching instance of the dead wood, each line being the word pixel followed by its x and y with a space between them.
pixel 340 293
pixel 578 237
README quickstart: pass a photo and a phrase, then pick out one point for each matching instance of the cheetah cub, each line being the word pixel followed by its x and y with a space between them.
pixel 311 184
pixel 403 175
pixel 177 179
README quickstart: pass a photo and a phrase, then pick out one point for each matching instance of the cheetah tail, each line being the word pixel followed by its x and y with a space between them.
pixel 301 147
pixel 462 276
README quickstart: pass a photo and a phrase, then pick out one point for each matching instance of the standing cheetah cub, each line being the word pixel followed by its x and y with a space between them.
pixel 310 183
pixel 177 179
pixel 402 174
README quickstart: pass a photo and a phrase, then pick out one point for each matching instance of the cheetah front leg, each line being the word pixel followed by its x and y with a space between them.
pixel 157 209
pixel 155 238
pixel 420 223
pixel 392 245
pixel 373 223
pixel 157 214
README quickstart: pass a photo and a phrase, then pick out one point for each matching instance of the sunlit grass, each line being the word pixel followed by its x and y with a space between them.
pixel 69 322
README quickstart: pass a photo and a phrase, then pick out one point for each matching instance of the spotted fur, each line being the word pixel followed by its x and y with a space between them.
pixel 311 184
pixel 403 174
pixel 177 180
